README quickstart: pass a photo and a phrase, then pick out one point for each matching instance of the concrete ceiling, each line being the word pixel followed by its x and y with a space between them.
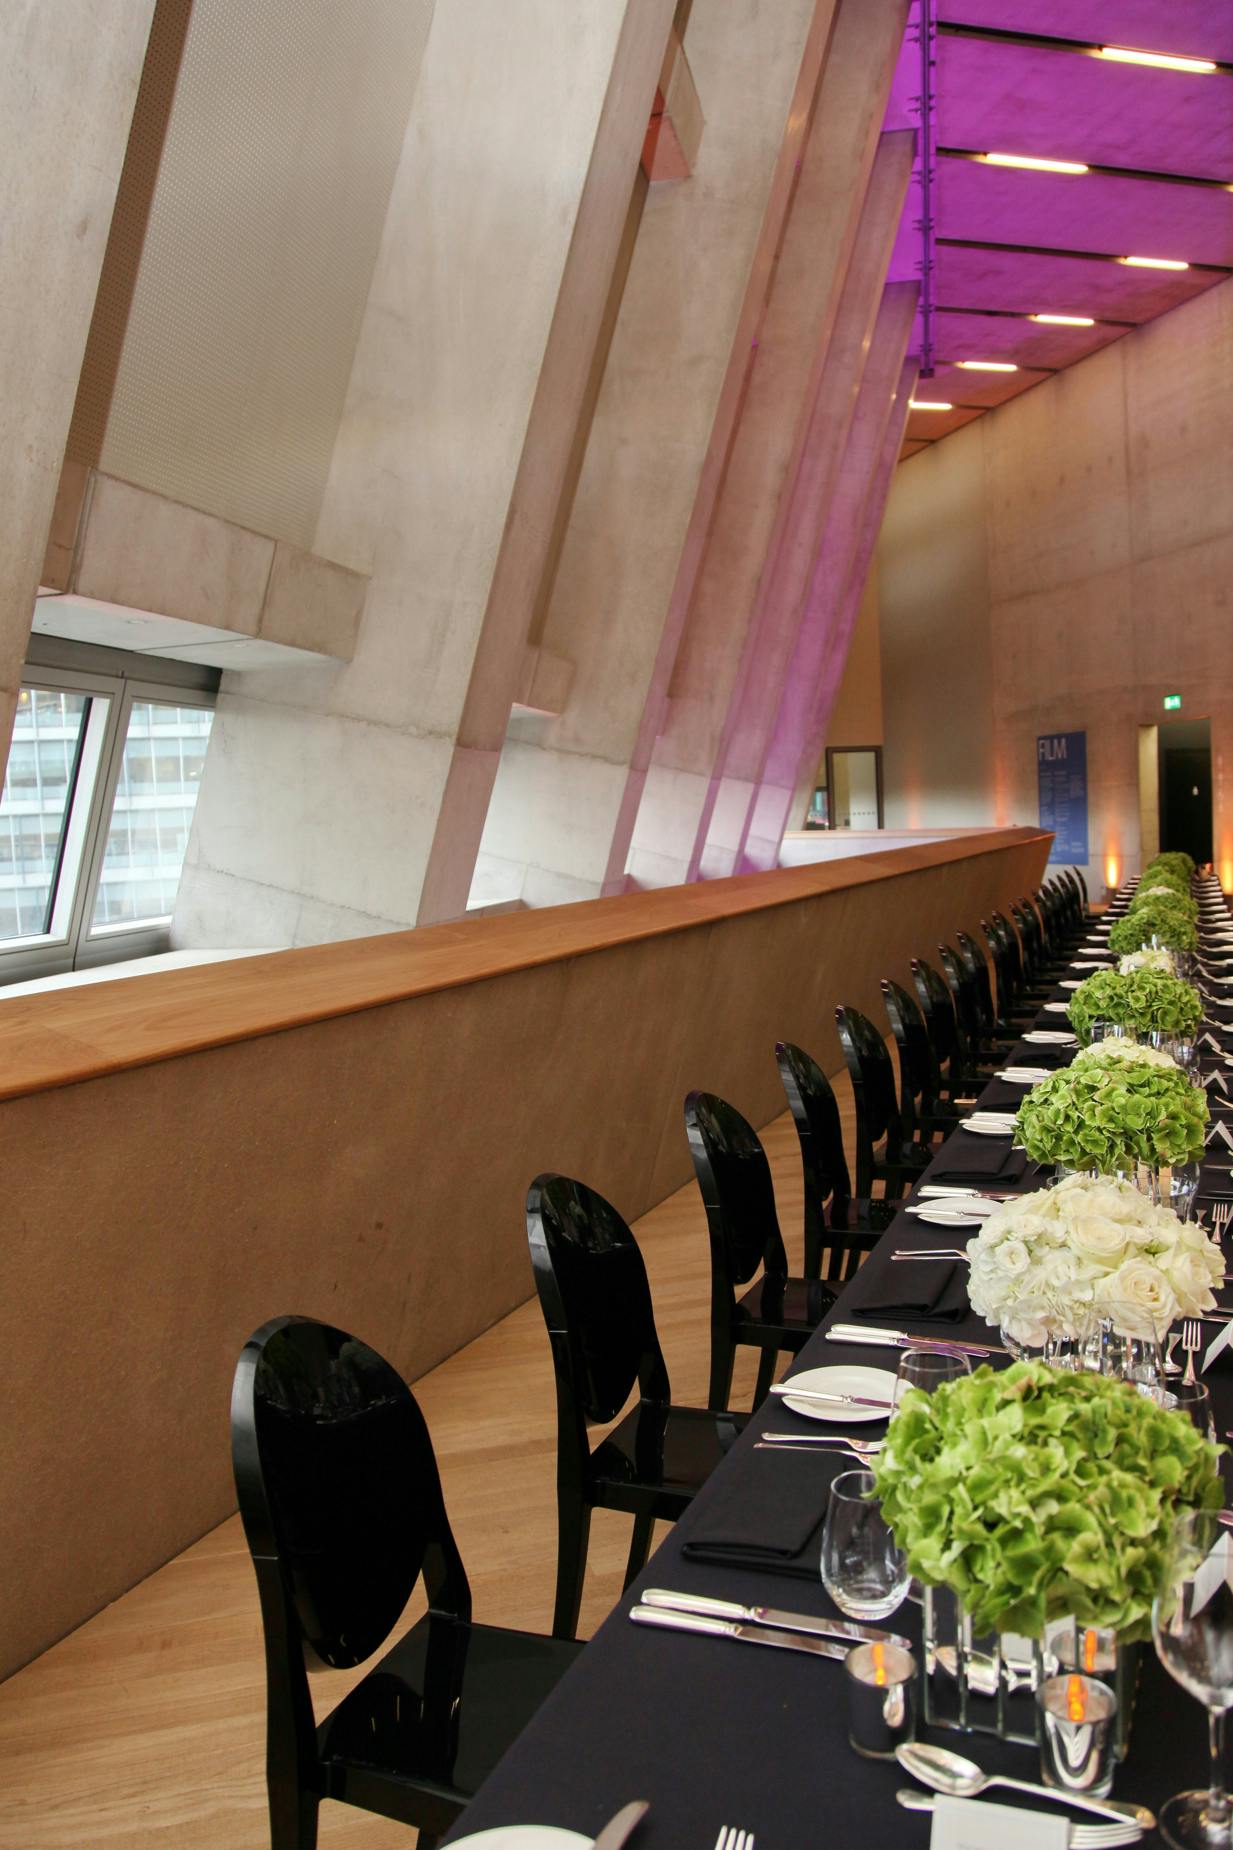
pixel 1025 77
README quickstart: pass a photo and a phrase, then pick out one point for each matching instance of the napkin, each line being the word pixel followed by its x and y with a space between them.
pixel 927 1292
pixel 979 1159
pixel 770 1518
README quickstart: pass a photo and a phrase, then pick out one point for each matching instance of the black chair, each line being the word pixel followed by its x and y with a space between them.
pixel 886 1151
pixel 839 1226
pixel 596 1301
pixel 960 1072
pixel 979 1049
pixel 343 1512
pixel 778 1312
pixel 923 1109
pixel 998 1032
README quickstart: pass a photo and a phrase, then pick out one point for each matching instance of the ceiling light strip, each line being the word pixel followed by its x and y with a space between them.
pixel 1034 163
pixel 1049 250
pixel 1084 48
pixel 1158 60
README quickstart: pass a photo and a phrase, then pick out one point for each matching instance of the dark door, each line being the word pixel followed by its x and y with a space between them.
pixel 1186 801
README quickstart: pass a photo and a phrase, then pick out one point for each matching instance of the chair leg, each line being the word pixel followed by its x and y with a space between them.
pixel 639 1546
pixel 766 1374
pixel 573 1534
pixel 722 1349
pixel 293 1818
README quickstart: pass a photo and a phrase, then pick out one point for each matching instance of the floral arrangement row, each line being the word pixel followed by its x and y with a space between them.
pixel 1140 1000
pixel 1115 1106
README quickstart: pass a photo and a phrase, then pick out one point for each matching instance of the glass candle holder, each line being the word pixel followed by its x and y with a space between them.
pixel 1077 1733
pixel 881 1680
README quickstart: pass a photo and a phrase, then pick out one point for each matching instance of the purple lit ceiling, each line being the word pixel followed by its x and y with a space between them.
pixel 1025 77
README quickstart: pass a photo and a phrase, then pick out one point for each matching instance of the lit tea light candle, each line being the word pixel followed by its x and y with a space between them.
pixel 881 1698
pixel 1077 1735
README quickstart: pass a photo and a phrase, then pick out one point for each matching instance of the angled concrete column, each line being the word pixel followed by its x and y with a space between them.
pixel 68 81
pixel 790 565
pixel 834 597
pixel 324 787
pixel 761 457
pixel 558 795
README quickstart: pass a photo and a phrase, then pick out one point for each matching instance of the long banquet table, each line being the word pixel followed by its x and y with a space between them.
pixel 714 1732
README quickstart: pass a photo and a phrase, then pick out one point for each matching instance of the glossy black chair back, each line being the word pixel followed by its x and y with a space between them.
pixel 734 1179
pixel 941 1023
pixel 593 1290
pixel 920 1082
pixel 878 1115
pixel 824 1166
pixel 977 967
pixel 962 987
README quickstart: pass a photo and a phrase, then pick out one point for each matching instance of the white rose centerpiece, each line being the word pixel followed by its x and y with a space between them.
pixel 1092 1249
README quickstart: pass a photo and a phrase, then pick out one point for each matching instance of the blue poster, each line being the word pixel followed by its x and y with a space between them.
pixel 1061 776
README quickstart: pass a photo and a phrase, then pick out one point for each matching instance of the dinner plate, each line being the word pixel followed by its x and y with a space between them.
pixel 988 1130
pixel 1051 1037
pixel 953 1215
pixel 1056 1008
pixel 843 1378
pixel 1071 982
pixel 528 1837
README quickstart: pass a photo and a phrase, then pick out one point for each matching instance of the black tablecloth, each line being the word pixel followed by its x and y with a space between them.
pixel 716 1732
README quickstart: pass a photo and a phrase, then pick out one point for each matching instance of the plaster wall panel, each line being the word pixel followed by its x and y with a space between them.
pixel 561 782
pixel 1178 427
pixel 482 214
pixel 68 82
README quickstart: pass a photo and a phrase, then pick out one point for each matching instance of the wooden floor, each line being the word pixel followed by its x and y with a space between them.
pixel 145 1727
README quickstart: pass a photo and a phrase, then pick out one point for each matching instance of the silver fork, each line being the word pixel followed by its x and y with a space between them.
pixel 1192 1342
pixel 731 1839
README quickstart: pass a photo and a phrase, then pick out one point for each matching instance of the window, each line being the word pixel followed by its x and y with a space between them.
pixel 98 799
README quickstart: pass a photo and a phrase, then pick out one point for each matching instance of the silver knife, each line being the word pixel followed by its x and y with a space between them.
pixel 622 1825
pixel 843 1630
pixel 728 1628
pixel 786 1390
pixel 899 1339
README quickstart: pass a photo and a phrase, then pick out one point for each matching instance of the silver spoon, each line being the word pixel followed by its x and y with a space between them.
pixel 963 1779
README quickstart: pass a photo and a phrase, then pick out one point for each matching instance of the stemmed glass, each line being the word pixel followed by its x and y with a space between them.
pixel 862 1569
pixel 1192 1625
pixel 927 1369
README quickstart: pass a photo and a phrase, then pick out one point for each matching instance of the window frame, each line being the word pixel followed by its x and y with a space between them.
pixel 74 942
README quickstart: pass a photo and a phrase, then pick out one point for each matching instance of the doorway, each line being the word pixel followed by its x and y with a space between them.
pixel 854 786
pixel 1184 772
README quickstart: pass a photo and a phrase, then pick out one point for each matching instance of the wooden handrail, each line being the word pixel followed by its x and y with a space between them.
pixel 62 1037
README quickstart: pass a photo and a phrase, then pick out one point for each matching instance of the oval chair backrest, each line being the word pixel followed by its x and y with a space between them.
pixel 977 967
pixel 595 1297
pixel 917 1064
pixel 962 989
pixel 337 1481
pixel 938 1009
pixel 873 1076
pixel 815 1112
pixel 734 1178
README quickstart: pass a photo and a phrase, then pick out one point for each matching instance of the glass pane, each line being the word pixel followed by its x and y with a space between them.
pixel 46 736
pixel 164 755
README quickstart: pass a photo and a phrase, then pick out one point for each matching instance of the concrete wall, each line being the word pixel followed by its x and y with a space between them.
pixel 1060 565
pixel 371 1168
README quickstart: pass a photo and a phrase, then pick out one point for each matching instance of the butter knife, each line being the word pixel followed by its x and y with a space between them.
pixel 728 1628
pixel 622 1825
pixel 843 1630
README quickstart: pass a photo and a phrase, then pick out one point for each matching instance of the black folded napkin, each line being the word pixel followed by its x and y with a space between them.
pixel 1000 1095
pixel 769 1514
pixel 969 1158
pixel 926 1292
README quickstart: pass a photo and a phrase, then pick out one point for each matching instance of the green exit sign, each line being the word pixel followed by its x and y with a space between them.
pixel 1172 703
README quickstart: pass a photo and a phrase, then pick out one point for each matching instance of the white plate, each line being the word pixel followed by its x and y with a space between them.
pixel 989 1130
pixel 528 1837
pixel 1024 1075
pixel 1071 982
pixel 1056 1008
pixel 1051 1037
pixel 844 1378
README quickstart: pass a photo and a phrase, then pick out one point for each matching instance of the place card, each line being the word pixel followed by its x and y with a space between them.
pixel 974 1824
pixel 1221 1131
pixel 1217 1347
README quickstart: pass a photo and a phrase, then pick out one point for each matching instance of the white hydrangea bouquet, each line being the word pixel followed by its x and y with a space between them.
pixel 1054 1263
pixel 1147 960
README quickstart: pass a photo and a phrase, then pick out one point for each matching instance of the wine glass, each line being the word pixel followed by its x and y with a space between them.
pixel 1192 1625
pixel 927 1369
pixel 862 1569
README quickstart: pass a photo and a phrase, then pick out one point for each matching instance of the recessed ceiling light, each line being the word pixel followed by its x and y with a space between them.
pixel 987 366
pixel 929 404
pixel 1066 321
pixel 1034 162
pixel 1161 60
pixel 1155 263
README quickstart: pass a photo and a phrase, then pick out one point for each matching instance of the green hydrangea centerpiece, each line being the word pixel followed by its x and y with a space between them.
pixel 1142 1001
pixel 1109 1113
pixel 1155 918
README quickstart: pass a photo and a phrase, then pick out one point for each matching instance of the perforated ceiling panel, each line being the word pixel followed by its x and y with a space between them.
pixel 285 133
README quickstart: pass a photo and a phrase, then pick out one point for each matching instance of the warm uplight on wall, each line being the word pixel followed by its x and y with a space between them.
pixel 1034 163
pixel 987 366
pixel 1113 868
pixel 1155 263
pixel 929 404
pixel 1226 875
pixel 1159 60
pixel 1066 321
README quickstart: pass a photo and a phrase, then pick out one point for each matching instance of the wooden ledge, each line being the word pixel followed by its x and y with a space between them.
pixel 63 1037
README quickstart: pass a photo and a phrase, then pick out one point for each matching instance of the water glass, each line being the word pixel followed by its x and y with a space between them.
pixel 1192 1627
pixel 1194 1399
pixel 927 1369
pixel 1177 1188
pixel 862 1569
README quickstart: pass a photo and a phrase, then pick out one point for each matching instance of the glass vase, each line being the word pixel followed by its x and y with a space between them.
pixel 988 1685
